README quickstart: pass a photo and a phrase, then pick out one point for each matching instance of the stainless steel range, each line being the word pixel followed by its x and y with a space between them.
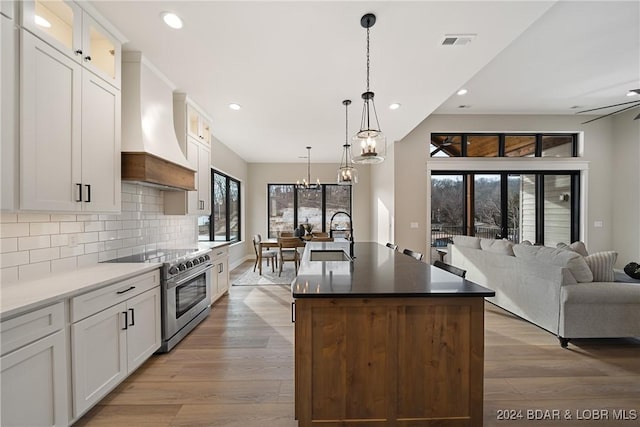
pixel 186 289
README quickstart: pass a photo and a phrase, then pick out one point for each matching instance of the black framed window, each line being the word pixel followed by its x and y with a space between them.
pixel 225 216
pixel 288 207
pixel 503 145
pixel 542 206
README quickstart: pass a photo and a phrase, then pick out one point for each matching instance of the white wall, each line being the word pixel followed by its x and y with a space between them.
pixel 382 199
pixel 261 174
pixel 625 172
pixel 229 163
pixel 412 153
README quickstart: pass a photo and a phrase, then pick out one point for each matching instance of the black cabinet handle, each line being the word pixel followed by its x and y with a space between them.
pixel 133 321
pixel 220 268
pixel 293 312
pixel 126 321
pixel 87 58
pixel 88 192
pixel 126 290
pixel 79 199
pixel 78 52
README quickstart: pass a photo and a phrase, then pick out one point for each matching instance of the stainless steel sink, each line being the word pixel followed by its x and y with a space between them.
pixel 329 255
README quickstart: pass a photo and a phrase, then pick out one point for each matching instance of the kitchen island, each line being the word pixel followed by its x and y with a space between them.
pixel 385 340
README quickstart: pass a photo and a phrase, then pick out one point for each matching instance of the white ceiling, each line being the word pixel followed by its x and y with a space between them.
pixel 290 64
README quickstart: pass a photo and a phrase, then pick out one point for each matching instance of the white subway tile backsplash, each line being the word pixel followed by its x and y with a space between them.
pixel 94 226
pixel 9 275
pixel 107 235
pixel 66 251
pixel 71 227
pixel 63 217
pixel 34 242
pixel 33 245
pixel 9 244
pixel 88 259
pixel 42 228
pixel 39 255
pixel 34 271
pixel 11 259
pixel 29 217
pixel 14 229
pixel 88 237
pixel 64 264
pixel 8 217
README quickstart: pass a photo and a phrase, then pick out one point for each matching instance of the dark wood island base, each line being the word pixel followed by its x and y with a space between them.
pixel 380 360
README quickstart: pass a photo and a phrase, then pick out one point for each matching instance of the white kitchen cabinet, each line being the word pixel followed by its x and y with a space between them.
pixel 198 126
pixel 34 379
pixel 71 30
pixel 9 72
pixel 120 333
pixel 70 134
pixel 220 273
pixel 198 152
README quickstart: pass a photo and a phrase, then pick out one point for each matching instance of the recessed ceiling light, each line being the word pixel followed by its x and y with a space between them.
pixel 235 106
pixel 633 92
pixel 41 22
pixel 462 91
pixel 172 20
pixel 394 106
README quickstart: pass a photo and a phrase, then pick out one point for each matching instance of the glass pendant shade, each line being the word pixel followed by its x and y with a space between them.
pixel 369 145
pixel 347 174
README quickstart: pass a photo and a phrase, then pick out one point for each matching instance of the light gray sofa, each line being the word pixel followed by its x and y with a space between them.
pixel 543 289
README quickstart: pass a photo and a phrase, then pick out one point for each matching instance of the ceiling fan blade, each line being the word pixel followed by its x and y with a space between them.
pixel 615 112
pixel 609 106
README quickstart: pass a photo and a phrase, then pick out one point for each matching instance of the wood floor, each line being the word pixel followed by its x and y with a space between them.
pixel 236 370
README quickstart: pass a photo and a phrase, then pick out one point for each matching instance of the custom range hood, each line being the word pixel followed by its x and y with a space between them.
pixel 151 154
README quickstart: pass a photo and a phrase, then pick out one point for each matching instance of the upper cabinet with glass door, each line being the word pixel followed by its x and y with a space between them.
pixel 198 126
pixel 64 25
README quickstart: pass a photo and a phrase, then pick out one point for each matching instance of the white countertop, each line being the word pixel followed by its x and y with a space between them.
pixel 213 245
pixel 19 297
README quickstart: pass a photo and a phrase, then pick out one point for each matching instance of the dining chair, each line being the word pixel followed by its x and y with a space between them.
pixel 450 268
pixel 318 234
pixel 392 246
pixel 288 251
pixel 286 234
pixel 416 255
pixel 264 254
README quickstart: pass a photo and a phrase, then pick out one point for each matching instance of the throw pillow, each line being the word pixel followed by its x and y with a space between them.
pixel 576 246
pixel 573 261
pixel 633 270
pixel 601 265
pixel 467 241
pixel 526 242
pixel 502 247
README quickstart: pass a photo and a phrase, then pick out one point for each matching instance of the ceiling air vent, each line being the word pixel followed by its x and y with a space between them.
pixel 457 39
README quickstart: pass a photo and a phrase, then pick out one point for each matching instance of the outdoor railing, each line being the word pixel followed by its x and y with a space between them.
pixel 441 234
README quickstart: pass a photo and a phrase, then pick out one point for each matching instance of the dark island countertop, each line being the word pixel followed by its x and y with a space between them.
pixel 376 271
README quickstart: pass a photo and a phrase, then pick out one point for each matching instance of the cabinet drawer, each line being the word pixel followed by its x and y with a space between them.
pixel 27 328
pixel 100 299
pixel 217 253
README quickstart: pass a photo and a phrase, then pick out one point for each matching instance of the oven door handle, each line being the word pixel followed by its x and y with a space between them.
pixel 173 284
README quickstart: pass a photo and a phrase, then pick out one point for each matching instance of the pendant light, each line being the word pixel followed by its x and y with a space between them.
pixel 369 145
pixel 347 174
pixel 306 183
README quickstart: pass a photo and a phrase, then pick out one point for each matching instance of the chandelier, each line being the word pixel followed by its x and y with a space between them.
pixel 369 144
pixel 347 174
pixel 306 183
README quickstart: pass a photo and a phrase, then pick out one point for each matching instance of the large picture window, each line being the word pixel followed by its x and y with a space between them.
pixel 224 222
pixel 542 207
pixel 288 207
